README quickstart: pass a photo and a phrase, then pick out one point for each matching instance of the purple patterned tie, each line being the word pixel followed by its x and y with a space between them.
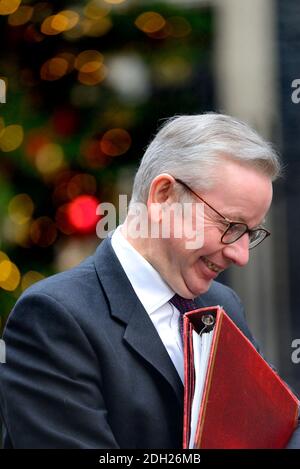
pixel 183 305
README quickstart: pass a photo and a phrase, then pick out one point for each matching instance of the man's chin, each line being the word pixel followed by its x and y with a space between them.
pixel 199 288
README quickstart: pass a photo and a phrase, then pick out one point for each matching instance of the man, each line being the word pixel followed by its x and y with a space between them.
pixel 94 354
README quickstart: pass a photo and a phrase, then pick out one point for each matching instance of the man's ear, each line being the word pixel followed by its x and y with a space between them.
pixel 161 193
pixel 161 189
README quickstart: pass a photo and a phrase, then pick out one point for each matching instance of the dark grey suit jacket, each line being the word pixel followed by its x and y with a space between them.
pixel 85 365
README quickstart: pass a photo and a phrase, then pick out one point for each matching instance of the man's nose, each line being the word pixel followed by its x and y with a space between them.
pixel 238 252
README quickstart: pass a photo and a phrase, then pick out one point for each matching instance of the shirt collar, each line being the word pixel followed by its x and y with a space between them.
pixel 152 291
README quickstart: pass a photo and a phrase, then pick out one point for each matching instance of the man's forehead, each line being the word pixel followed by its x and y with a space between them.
pixel 241 193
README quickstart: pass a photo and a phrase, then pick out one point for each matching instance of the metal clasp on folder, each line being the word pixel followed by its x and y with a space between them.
pixel 208 321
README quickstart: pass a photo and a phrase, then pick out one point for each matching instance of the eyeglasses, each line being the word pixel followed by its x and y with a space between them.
pixel 235 229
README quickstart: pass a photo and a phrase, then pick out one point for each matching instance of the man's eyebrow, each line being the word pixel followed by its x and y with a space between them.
pixel 235 217
pixel 241 219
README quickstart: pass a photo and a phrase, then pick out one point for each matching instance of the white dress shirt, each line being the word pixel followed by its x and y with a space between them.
pixel 154 294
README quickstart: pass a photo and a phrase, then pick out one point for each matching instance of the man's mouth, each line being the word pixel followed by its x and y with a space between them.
pixel 211 265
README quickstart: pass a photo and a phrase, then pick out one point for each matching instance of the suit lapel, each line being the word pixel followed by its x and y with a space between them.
pixel 140 333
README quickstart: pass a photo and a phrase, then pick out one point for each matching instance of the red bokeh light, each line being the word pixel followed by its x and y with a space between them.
pixel 82 213
pixel 65 121
pixel 36 139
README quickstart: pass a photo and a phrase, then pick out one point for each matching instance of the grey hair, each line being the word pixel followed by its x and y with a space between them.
pixel 189 147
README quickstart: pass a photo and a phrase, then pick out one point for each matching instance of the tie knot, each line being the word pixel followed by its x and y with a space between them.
pixel 183 304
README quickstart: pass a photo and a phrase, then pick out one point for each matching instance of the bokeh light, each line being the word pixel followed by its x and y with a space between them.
pixel 9 275
pixel 15 233
pixel 115 2
pixel 96 28
pixel 89 64
pixel 75 33
pixel 96 9
pixel 49 158
pixel 91 78
pixel 30 278
pixel 43 232
pixel 129 76
pixel 88 61
pixel 35 140
pixel 82 213
pixel 150 22
pixel 20 209
pixel 115 142
pixel 11 137
pixel 7 7
pixel 69 57
pixel 63 21
pixel 21 16
pixel 54 68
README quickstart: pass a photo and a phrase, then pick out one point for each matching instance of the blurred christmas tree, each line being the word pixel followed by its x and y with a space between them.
pixel 86 85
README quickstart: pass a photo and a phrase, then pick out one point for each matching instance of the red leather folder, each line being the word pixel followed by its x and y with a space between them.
pixel 245 404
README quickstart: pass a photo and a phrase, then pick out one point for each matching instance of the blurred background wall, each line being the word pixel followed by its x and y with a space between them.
pixel 85 84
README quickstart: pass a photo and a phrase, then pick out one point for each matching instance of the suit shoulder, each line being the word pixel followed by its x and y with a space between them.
pixel 75 290
pixel 63 281
pixel 75 295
